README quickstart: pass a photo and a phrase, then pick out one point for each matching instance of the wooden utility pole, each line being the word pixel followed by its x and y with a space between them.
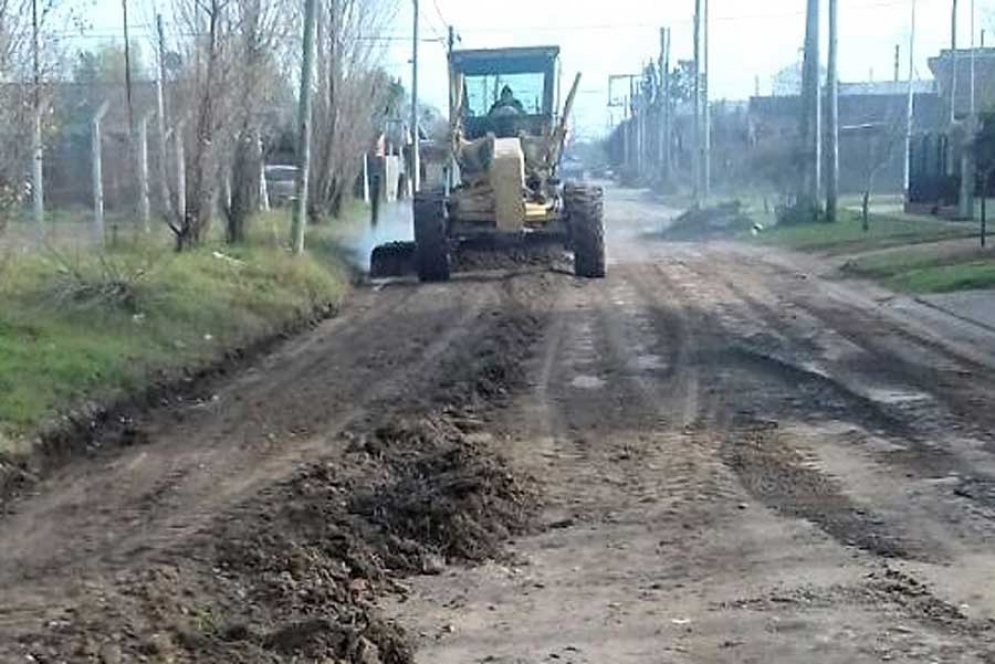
pixel 910 108
pixel 811 102
pixel 696 152
pixel 706 113
pixel 299 223
pixel 37 147
pixel 160 100
pixel 833 115
pixel 415 138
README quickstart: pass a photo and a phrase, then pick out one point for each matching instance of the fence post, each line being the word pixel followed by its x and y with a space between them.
pixel 181 172
pixel 143 171
pixel 98 173
pixel 263 187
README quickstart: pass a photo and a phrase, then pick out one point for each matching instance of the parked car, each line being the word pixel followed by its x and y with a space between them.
pixel 572 169
pixel 280 182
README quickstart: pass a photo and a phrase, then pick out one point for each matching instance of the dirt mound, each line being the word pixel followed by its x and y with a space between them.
pixel 444 498
pixel 699 223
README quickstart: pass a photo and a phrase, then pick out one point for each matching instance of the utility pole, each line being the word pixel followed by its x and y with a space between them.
pixel 696 153
pixel 898 62
pixel 130 150
pixel 953 69
pixel 299 222
pixel 415 138
pixel 666 132
pixel 160 100
pixel 972 85
pixel 37 147
pixel 833 113
pixel 811 103
pixel 450 45
pixel 910 108
pixel 706 112
pixel 127 72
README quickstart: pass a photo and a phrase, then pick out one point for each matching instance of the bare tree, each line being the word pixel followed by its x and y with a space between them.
pixel 206 93
pixel 881 142
pixel 261 30
pixel 353 93
pixel 24 96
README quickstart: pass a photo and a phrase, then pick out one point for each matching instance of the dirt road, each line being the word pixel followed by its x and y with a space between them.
pixel 716 454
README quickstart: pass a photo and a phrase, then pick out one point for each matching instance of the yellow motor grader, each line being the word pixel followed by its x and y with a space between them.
pixel 506 141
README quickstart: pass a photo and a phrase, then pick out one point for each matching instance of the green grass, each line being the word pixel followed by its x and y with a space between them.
pixel 945 278
pixel 918 271
pixel 847 234
pixel 66 337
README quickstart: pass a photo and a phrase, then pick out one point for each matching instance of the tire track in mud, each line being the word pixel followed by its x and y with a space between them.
pixel 759 388
pixel 920 428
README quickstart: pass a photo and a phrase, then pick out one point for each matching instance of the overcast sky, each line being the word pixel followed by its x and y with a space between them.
pixel 749 38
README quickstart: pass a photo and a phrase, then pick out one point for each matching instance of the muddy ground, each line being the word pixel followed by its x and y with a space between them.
pixel 718 454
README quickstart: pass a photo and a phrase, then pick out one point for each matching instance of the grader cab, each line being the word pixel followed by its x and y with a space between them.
pixel 507 137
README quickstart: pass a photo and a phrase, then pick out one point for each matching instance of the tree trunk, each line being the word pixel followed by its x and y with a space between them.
pixel 199 212
pixel 246 165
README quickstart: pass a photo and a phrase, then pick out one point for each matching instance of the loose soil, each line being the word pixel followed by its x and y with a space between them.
pixel 714 455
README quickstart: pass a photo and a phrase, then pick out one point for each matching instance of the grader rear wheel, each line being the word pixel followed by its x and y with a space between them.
pixel 585 213
pixel 431 239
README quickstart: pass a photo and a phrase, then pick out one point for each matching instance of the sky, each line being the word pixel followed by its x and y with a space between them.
pixel 750 39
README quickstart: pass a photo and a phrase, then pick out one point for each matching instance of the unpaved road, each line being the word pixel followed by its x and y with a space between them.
pixel 715 455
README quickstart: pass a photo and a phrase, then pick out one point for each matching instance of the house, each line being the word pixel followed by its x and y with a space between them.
pixel 867 110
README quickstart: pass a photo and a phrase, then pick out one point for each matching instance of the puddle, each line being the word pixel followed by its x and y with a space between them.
pixel 647 362
pixel 587 382
pixel 896 396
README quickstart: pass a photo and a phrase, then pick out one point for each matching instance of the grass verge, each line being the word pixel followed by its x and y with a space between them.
pixel 90 328
pixel 925 272
pixel 847 234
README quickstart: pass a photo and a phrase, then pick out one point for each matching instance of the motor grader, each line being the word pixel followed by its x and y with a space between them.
pixel 506 138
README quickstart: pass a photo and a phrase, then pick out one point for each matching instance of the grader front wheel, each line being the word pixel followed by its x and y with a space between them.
pixel 585 213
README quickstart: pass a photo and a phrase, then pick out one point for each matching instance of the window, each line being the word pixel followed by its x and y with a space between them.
pixel 483 91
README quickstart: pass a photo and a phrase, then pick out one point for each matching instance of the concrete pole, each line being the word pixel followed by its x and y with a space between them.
pixel 953 70
pixel 181 171
pixel 696 132
pixel 910 109
pixel 263 187
pixel 832 115
pixel 415 138
pixel 706 112
pixel 973 79
pixel 299 223
pixel 37 146
pixel 811 117
pixel 143 172
pixel 160 100
pixel 97 173
pixel 666 134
